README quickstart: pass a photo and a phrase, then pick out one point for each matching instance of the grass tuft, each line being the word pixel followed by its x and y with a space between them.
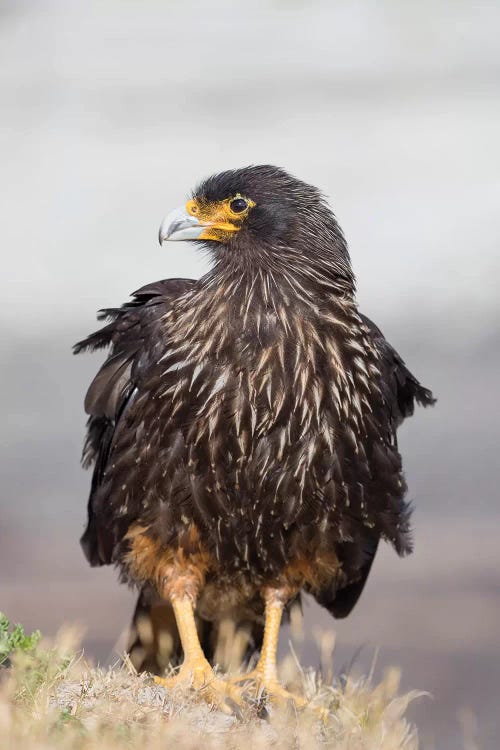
pixel 52 699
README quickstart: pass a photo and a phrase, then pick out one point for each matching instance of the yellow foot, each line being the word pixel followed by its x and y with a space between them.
pixel 199 676
pixel 269 688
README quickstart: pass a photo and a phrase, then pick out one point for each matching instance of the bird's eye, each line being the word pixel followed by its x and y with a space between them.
pixel 238 205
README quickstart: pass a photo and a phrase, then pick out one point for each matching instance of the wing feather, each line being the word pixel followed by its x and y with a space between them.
pixel 115 385
pixel 402 391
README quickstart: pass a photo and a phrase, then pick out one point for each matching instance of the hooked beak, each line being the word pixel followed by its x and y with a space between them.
pixel 179 225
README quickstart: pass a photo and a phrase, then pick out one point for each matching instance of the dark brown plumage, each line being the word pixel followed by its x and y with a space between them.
pixel 249 419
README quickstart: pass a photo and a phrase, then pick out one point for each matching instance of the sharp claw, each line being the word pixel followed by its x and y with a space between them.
pixel 212 689
pixel 235 710
pixel 270 691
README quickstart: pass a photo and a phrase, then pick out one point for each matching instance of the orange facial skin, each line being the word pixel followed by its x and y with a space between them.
pixel 221 221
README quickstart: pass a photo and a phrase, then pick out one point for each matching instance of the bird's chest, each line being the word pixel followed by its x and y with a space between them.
pixel 256 431
pixel 279 386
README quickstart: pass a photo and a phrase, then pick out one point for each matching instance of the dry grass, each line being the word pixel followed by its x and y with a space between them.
pixel 51 698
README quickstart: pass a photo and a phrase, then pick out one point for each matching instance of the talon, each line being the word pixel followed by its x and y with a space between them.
pixel 271 687
pixel 198 675
pixel 264 676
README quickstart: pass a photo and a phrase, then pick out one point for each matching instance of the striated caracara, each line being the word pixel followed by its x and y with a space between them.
pixel 243 430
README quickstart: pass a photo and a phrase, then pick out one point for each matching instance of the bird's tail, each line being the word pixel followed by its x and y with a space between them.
pixel 154 643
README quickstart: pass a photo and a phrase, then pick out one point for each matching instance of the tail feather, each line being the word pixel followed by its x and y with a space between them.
pixel 154 641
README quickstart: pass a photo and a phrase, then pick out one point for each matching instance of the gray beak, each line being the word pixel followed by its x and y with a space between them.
pixel 179 225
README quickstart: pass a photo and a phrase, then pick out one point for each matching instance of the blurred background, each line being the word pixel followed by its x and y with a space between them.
pixel 110 111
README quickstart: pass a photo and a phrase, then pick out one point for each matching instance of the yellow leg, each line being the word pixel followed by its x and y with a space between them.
pixel 265 674
pixel 195 671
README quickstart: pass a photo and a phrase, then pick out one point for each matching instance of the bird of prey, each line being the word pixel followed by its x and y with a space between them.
pixel 243 429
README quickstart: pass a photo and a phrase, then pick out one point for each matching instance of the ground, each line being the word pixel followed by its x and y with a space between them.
pixel 50 697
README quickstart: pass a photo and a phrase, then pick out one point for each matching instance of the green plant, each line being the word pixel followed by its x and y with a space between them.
pixel 14 639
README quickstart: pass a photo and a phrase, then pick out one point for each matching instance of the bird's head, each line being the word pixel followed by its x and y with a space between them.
pixel 261 216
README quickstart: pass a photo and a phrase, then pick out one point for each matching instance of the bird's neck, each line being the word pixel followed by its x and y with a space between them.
pixel 253 301
pixel 283 278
